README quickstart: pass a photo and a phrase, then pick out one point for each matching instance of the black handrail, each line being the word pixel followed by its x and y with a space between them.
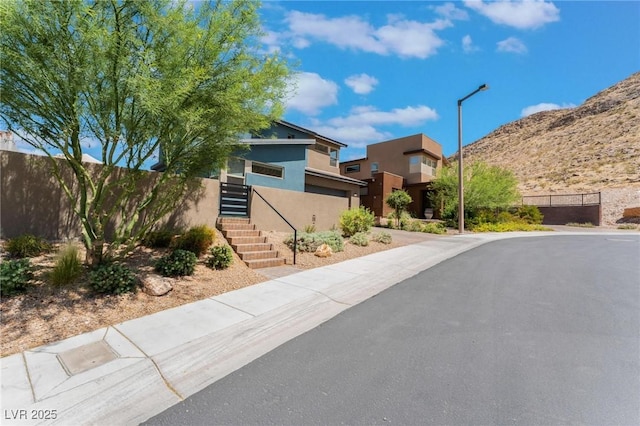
pixel 295 232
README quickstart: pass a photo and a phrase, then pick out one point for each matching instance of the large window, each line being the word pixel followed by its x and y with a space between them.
pixel 374 168
pixel 267 169
pixel 332 152
pixel 353 168
pixel 235 166
pixel 422 164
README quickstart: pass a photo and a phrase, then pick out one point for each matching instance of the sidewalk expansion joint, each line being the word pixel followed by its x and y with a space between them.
pixel 26 367
pixel 231 306
pixel 164 379
pixel 320 293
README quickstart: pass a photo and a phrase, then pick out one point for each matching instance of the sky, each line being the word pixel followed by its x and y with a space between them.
pixel 370 71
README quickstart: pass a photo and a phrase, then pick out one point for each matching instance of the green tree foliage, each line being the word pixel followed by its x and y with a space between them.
pixel 134 78
pixel 485 187
pixel 398 201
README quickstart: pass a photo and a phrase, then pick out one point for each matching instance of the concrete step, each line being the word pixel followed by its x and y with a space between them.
pixel 230 233
pixel 234 220
pixel 243 248
pixel 246 240
pixel 264 263
pixel 258 255
pixel 235 226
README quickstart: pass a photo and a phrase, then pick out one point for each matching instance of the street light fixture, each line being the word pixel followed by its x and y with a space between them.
pixel 460 167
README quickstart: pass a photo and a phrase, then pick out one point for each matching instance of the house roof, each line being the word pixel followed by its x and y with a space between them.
pixel 311 132
pixel 423 151
pixel 333 176
pixel 277 141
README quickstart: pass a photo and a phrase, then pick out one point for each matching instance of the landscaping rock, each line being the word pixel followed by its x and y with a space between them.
pixel 155 285
pixel 324 251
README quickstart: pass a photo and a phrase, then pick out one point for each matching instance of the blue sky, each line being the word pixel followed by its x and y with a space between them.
pixel 370 71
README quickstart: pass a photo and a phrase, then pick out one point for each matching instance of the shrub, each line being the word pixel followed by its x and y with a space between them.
pixel 68 266
pixel 15 276
pixel 627 226
pixel 112 278
pixel 310 229
pixel 360 239
pixel 221 257
pixel 434 228
pixel 196 240
pixel 356 220
pixel 412 225
pixel 405 218
pixel 311 242
pixel 530 214
pixel 509 227
pixel 159 239
pixel 177 264
pixel 27 245
pixel 581 225
pixel 382 237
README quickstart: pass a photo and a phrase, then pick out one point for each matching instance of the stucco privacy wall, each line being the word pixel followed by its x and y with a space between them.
pixel 31 201
pixel 298 208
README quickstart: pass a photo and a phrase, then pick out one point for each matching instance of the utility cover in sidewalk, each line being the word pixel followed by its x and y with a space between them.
pixel 86 357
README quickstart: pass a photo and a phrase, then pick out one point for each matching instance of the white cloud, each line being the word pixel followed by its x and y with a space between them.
pixel 361 84
pixel 450 11
pixel 521 14
pixel 512 45
pixel 543 107
pixel 467 44
pixel 361 126
pixel 312 93
pixel 402 37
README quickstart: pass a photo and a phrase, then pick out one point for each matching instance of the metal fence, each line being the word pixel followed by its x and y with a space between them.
pixel 589 199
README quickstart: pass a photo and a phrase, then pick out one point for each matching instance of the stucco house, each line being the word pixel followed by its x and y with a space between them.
pixel 408 163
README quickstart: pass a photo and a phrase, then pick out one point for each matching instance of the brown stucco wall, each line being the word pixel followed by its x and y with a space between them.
pixel 561 215
pixel 379 186
pixel 299 208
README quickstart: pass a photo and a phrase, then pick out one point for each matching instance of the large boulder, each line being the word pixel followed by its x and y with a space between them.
pixel 155 285
pixel 324 251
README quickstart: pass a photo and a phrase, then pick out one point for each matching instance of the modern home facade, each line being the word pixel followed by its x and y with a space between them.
pixel 408 163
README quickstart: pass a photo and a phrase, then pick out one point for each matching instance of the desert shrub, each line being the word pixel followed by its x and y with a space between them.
pixel 627 226
pixel 392 221
pixel 15 276
pixel 112 278
pixel 398 201
pixel 196 240
pixel 177 264
pixel 434 228
pixel 360 239
pixel 309 229
pixel 27 245
pixel 581 225
pixel 509 227
pixel 159 239
pixel 505 216
pixel 530 214
pixel 221 257
pixel 311 242
pixel 412 225
pixel 356 220
pixel 382 237
pixel 68 266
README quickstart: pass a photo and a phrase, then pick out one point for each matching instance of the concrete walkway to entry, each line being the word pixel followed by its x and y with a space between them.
pixel 129 372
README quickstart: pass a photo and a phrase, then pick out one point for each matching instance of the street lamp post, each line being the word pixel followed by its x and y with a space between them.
pixel 460 166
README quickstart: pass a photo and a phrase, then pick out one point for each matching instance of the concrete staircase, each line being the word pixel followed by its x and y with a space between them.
pixel 247 241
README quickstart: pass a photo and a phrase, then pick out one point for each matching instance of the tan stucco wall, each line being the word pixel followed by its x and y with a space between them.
pixel 297 207
pixel 321 161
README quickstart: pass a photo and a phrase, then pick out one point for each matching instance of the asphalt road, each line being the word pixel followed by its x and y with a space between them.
pixel 541 330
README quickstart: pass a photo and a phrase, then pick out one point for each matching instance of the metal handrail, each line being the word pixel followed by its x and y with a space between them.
pixel 295 232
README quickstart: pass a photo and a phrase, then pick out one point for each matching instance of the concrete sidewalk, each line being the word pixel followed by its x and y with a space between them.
pixel 129 372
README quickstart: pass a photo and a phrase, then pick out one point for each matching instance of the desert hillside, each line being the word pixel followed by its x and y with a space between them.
pixel 589 148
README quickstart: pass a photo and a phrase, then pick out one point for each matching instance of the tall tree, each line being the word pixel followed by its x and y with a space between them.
pixel 134 77
pixel 485 186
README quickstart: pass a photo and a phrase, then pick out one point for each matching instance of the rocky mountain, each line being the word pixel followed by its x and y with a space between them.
pixel 583 149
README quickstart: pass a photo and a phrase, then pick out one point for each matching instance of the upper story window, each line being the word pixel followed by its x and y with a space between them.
pixel 422 164
pixel 332 152
pixel 374 167
pixel 267 169
pixel 352 168
pixel 291 136
pixel 235 166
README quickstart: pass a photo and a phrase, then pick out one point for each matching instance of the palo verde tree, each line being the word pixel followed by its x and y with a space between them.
pixel 485 186
pixel 133 78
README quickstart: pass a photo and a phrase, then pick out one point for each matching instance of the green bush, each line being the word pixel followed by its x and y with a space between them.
pixel 310 229
pixel 412 225
pixel 509 227
pixel 581 225
pixel 221 257
pixel 398 201
pixel 434 228
pixel 15 276
pixel 530 214
pixel 68 266
pixel 360 239
pixel 112 278
pixel 27 245
pixel 392 221
pixel 196 240
pixel 311 242
pixel 382 237
pixel 159 239
pixel 356 220
pixel 177 264
pixel 627 226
